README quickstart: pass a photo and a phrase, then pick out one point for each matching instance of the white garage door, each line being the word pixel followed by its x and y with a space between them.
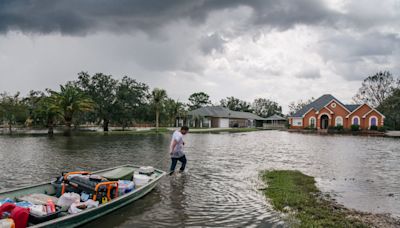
pixel 223 123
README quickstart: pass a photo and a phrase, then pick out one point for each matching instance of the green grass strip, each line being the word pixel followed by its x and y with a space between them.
pixel 293 191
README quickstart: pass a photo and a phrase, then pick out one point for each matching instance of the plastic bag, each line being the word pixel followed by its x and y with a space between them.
pixel 78 207
pixel 67 199
pixel 7 223
pixel 84 196
pixel 125 186
pixel 38 210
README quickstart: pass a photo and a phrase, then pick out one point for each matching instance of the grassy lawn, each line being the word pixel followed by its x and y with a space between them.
pixel 126 132
pixel 296 194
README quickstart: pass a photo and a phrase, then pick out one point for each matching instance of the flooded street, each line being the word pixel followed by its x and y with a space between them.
pixel 220 185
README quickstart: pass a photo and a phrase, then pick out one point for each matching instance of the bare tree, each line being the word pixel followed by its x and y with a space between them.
pixel 236 104
pixel 265 107
pixel 376 88
pixel 296 106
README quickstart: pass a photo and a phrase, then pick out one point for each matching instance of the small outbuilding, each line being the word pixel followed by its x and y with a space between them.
pixel 275 121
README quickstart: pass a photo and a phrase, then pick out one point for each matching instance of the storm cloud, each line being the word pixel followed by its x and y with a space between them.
pixel 284 50
pixel 77 17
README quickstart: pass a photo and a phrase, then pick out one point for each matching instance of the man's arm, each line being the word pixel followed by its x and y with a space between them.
pixel 173 145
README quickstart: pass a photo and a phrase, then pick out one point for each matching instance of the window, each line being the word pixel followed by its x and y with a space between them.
pixel 356 120
pixel 298 122
pixel 333 105
pixel 312 122
pixel 339 121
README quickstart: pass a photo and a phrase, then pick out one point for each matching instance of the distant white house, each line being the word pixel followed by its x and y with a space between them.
pixel 220 117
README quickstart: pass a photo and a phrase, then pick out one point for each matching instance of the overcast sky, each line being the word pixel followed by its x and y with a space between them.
pixel 283 50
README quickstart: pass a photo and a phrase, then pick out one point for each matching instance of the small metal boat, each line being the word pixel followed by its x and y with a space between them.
pixel 74 220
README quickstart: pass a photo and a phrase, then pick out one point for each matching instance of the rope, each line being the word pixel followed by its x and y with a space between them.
pixel 161 160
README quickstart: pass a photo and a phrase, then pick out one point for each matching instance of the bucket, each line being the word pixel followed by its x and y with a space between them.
pixel 140 179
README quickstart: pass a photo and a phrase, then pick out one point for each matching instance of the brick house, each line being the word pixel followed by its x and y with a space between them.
pixel 327 111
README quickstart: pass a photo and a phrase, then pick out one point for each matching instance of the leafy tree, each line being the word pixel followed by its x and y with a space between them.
pixel 376 88
pixel 236 104
pixel 31 102
pixel 265 107
pixel 158 100
pixel 131 97
pixel 12 110
pixel 101 89
pixel 294 107
pixel 69 101
pixel 198 100
pixel 390 107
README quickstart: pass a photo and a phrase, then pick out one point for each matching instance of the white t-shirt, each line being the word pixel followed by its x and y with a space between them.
pixel 178 150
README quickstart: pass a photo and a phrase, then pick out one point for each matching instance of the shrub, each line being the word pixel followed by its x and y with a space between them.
pixel 339 128
pixel 355 127
pixel 310 128
pixel 288 125
pixel 373 128
pixel 382 128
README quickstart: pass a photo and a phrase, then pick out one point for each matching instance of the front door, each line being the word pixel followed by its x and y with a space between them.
pixel 324 122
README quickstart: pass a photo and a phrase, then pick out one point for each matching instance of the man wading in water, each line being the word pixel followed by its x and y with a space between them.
pixel 176 150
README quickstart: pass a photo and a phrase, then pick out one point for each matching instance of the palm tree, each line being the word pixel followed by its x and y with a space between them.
pixel 69 101
pixel 158 99
pixel 181 110
pixel 174 109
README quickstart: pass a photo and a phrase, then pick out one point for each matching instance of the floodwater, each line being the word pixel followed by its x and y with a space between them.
pixel 220 186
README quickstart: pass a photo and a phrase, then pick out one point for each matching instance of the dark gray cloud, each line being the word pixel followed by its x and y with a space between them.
pixel 79 17
pixel 213 42
pixel 357 55
pixel 284 14
pixel 360 45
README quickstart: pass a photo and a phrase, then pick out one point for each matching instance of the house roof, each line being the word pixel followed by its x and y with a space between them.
pixel 275 117
pixel 321 102
pixel 218 111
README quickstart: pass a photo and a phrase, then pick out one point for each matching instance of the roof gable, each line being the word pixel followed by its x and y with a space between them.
pixel 360 106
